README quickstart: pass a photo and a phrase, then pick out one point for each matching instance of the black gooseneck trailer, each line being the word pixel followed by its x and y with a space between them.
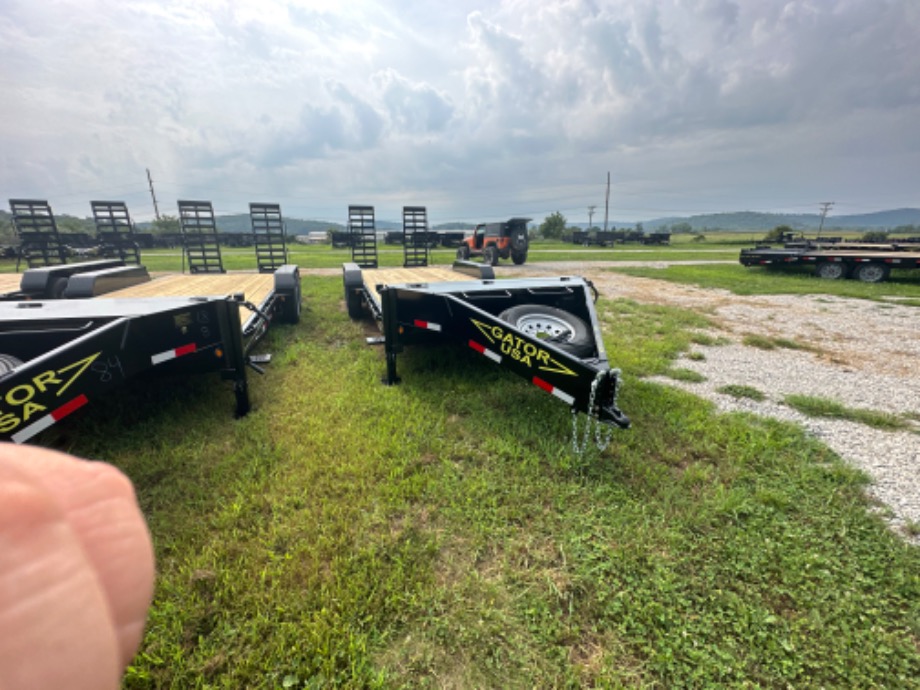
pixel 543 329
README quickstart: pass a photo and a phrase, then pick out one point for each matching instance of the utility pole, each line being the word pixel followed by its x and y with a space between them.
pixel 153 196
pixel 590 216
pixel 825 207
pixel 607 202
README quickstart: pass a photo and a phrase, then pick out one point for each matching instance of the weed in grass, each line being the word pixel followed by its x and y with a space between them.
pixel 742 391
pixel 688 375
pixel 696 356
pixel 822 407
pixel 708 340
pixel 767 343
pixel 759 341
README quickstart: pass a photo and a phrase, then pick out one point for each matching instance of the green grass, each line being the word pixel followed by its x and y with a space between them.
pixel 904 285
pixel 440 533
pixel 742 391
pixel 764 342
pixel 688 375
pixel 822 407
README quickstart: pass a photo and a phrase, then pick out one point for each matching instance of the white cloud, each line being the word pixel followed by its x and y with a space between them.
pixel 516 107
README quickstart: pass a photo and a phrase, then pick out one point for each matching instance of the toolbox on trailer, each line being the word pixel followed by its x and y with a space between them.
pixel 56 356
pixel 543 329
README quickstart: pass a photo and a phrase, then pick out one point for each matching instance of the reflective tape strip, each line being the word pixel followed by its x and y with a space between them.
pixel 49 419
pixel 427 324
pixel 550 388
pixel 481 349
pixel 172 354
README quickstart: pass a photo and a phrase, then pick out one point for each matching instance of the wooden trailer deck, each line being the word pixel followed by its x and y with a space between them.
pixel 256 287
pixel 10 282
pixel 401 276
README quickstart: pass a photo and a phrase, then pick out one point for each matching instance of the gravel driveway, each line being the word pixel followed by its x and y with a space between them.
pixel 865 355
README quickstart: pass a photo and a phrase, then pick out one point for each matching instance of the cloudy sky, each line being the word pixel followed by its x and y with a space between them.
pixel 478 110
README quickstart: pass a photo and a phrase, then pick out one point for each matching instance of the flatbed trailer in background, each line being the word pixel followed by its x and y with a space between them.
pixel 543 329
pixel 870 263
pixel 58 355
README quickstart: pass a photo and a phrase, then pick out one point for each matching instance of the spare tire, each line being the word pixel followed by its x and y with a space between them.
pixel 7 364
pixel 519 240
pixel 557 326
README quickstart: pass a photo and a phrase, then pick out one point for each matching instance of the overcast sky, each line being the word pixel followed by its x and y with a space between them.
pixel 477 110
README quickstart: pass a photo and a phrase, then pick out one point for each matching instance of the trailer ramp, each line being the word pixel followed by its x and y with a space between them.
pixel 362 234
pixel 269 236
pixel 115 231
pixel 415 236
pixel 199 234
pixel 39 241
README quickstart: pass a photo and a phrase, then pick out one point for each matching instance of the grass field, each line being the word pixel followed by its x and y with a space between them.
pixel 441 534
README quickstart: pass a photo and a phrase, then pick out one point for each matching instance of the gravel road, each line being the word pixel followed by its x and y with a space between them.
pixel 864 355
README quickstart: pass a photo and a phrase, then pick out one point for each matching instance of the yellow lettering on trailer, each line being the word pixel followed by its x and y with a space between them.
pixel 513 346
pixel 21 396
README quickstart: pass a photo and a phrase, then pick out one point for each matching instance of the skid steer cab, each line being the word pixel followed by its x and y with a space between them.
pixel 493 241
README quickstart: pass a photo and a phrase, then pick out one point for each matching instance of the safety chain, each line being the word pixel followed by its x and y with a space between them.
pixel 601 439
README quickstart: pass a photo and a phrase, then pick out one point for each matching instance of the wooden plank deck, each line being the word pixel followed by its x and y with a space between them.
pixel 399 276
pixel 10 282
pixel 256 287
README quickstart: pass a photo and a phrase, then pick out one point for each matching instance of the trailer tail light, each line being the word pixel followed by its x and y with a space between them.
pixel 49 419
pixel 551 389
pixel 483 350
pixel 173 354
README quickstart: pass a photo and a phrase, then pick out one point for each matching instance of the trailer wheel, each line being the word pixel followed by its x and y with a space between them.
pixel 872 272
pixel 463 252
pixel 353 303
pixel 490 255
pixel 8 363
pixel 56 288
pixel 561 328
pixel 831 270
pixel 290 310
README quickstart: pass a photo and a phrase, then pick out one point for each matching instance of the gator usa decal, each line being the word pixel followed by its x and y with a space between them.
pixel 511 345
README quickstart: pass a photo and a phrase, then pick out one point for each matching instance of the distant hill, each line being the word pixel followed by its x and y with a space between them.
pixel 747 221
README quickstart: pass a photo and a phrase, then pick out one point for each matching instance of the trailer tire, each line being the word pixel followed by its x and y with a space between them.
pixel 490 255
pixel 561 328
pixel 831 270
pixel 8 363
pixel 872 272
pixel 56 288
pixel 290 310
pixel 353 304
pixel 463 252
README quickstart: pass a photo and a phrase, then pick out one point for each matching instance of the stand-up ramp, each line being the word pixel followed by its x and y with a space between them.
pixel 268 235
pixel 362 232
pixel 199 234
pixel 415 236
pixel 115 231
pixel 39 241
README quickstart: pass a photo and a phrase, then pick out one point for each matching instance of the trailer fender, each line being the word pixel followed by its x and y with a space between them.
pixel 354 286
pixel 287 285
